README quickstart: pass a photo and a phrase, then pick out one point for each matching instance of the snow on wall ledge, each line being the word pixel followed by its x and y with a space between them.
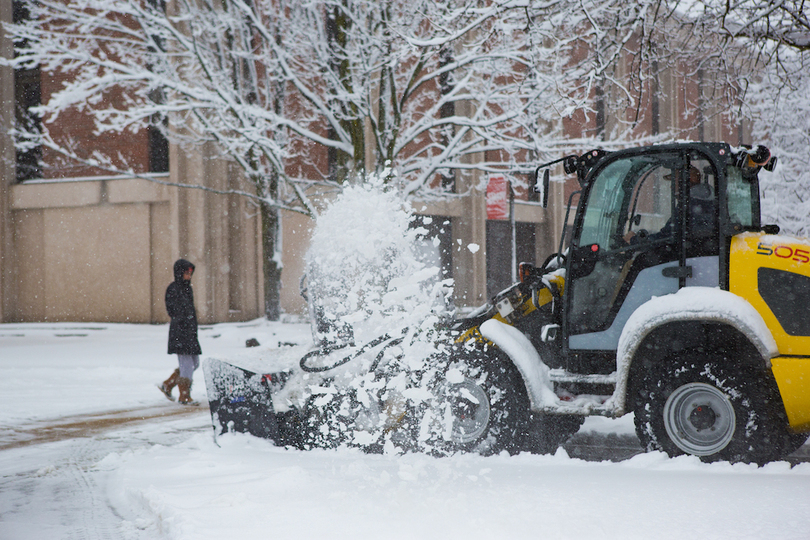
pixel 690 303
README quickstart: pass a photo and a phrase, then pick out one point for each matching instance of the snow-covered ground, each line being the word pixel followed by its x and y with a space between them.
pixel 165 477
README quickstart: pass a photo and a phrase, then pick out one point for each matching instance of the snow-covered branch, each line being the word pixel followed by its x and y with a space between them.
pixel 327 92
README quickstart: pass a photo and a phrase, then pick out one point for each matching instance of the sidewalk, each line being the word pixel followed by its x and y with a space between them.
pixel 55 370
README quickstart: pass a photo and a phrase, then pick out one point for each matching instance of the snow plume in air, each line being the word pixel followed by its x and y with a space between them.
pixel 366 270
pixel 376 301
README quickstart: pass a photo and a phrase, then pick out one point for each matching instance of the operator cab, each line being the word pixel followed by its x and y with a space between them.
pixel 647 224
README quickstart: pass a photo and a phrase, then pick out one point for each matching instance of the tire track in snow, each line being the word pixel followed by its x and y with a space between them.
pixel 50 482
pixel 87 425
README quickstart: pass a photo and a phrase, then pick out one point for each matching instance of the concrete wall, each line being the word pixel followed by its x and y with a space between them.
pixel 84 249
pixel 220 234
pixel 103 250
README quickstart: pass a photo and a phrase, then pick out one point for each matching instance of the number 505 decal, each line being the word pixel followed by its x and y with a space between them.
pixel 785 252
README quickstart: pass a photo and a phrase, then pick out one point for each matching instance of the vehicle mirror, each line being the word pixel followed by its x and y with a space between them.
pixel 540 188
pixel 570 164
pixel 771 229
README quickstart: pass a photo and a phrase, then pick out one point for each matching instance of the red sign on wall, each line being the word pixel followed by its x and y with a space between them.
pixel 497 197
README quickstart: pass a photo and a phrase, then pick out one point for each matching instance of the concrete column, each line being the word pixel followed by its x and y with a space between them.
pixel 188 224
pixel 225 248
pixel 470 242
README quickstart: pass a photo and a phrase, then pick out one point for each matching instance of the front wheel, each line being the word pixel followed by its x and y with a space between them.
pixel 697 405
pixel 479 404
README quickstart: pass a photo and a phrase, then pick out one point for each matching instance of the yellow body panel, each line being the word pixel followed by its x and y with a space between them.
pixel 749 253
pixel 752 251
pixel 793 378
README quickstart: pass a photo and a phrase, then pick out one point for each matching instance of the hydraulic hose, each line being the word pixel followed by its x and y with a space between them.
pixel 345 360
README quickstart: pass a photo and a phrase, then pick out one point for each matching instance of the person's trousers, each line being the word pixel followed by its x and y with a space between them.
pixel 188 364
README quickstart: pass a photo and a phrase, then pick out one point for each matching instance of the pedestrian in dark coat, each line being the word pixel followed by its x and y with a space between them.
pixel 182 332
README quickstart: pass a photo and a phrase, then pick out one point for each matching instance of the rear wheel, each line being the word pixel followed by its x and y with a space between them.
pixel 699 418
pixel 694 404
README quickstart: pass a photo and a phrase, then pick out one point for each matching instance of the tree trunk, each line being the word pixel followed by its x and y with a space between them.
pixel 271 229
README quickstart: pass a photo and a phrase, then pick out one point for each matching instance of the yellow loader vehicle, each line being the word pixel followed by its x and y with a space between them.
pixel 671 301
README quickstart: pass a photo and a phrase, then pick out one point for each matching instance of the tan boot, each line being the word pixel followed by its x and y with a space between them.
pixel 168 385
pixel 184 385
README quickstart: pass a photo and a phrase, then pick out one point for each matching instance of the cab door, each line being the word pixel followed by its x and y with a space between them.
pixel 627 222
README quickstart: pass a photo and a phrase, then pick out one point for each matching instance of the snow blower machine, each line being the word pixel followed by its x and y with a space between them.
pixel 672 301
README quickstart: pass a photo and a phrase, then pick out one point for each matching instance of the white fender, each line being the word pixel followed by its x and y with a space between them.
pixel 688 304
pixel 523 354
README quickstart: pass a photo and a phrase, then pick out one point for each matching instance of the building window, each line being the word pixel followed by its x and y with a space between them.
pixel 158 151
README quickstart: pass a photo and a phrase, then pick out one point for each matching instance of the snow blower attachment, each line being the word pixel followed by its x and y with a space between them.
pixel 240 401
pixel 320 413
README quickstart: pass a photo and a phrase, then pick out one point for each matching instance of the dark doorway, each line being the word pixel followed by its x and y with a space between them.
pixel 499 252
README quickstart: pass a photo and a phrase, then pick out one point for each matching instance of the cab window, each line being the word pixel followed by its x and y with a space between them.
pixel 630 202
pixel 741 198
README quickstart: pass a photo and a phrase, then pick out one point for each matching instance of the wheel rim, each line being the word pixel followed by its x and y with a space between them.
pixel 699 419
pixel 468 405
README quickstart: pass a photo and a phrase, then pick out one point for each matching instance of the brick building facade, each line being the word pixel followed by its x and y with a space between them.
pixel 76 245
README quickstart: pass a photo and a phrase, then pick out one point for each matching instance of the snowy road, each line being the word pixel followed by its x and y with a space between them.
pixel 88 425
pixel 52 486
pixel 89 449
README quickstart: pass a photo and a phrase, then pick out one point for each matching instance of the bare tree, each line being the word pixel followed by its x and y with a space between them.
pixel 306 95
pixel 781 22
pixel 272 82
pixel 772 41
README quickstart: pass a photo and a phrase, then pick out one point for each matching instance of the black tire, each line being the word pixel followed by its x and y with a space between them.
pixel 479 405
pixel 698 404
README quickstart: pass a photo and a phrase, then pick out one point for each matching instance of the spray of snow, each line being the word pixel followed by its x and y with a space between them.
pixel 366 270
pixel 377 301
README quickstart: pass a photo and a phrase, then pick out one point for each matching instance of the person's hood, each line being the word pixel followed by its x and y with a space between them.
pixel 180 267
